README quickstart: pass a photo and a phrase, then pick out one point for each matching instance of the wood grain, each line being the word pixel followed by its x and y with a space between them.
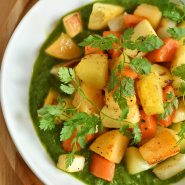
pixel 11 162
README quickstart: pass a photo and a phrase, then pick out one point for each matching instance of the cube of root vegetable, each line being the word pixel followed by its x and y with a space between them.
pixel 102 14
pixel 144 28
pixel 64 48
pixel 111 146
pixel 102 167
pixel 93 70
pixel 170 167
pixel 150 12
pixel 117 24
pixel 134 161
pixel 165 24
pixel 159 148
pixel 76 166
pixel 180 42
pixel 180 112
pixel 133 116
pixel 93 94
pixel 150 94
pixel 51 98
pixel 73 24
pixel 176 84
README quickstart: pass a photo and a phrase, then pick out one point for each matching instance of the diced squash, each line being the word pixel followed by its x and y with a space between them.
pixel 180 42
pixel 76 166
pixel 111 146
pixel 179 58
pixel 117 24
pixel 150 12
pixel 158 130
pixel 165 24
pixel 93 70
pixel 93 94
pixel 159 148
pixel 134 161
pixel 177 127
pixel 68 64
pixel 150 94
pixel 144 28
pixel 170 167
pixel 180 112
pixel 102 14
pixel 162 74
pixel 73 24
pixel 64 48
pixel 133 116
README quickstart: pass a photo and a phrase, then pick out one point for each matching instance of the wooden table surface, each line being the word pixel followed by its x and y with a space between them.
pixel 13 169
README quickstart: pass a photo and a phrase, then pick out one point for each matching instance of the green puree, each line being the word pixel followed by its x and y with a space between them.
pixel 40 84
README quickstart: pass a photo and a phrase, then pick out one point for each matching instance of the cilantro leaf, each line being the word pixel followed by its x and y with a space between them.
pixel 66 75
pixel 167 111
pixel 125 132
pixel 170 95
pixel 127 87
pixel 181 133
pixel 176 33
pixel 140 65
pixel 180 71
pixel 182 88
pixel 69 89
pixel 70 157
pixel 47 123
pixel 137 134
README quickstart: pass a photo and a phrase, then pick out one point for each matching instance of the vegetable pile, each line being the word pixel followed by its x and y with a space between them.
pixel 126 95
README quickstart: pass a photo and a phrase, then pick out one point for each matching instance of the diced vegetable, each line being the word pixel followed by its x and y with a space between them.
pixel 77 165
pixel 93 70
pixel 159 148
pixel 73 24
pixel 117 24
pixel 89 50
pixel 144 28
pixel 180 42
pixel 176 84
pixel 170 167
pixel 101 167
pixel 180 112
pixel 150 12
pixel 93 94
pixel 64 48
pixel 51 98
pixel 111 146
pixel 150 94
pixel 147 124
pixel 165 53
pixel 134 161
pixel 102 14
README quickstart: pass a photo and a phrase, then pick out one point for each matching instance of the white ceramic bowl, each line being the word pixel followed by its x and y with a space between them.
pixel 17 65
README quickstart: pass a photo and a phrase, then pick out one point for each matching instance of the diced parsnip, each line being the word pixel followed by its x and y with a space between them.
pixel 150 12
pixel 159 148
pixel 180 112
pixel 93 94
pixel 120 59
pixel 177 127
pixel 170 167
pixel 158 130
pixel 134 161
pixel 180 42
pixel 73 24
pixel 179 58
pixel 117 24
pixel 144 28
pixel 162 74
pixel 68 64
pixel 111 145
pixel 93 69
pixel 150 95
pixel 164 25
pixel 176 84
pixel 102 14
pixel 133 116
pixel 64 48
pixel 76 166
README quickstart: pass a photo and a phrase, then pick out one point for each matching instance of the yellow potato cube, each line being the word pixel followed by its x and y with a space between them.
pixel 111 146
pixel 180 112
pixel 176 84
pixel 93 94
pixel 159 148
pixel 150 12
pixel 73 24
pixel 64 48
pixel 93 70
pixel 150 94
pixel 51 98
